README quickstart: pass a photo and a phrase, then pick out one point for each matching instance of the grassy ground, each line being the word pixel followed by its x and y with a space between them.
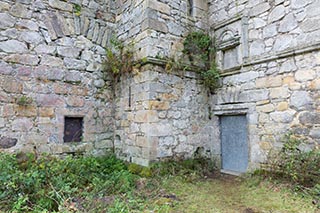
pixel 225 194
pixel 218 194
pixel 89 184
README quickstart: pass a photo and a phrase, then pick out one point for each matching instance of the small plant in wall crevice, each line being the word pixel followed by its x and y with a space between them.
pixel 24 100
pixel 119 58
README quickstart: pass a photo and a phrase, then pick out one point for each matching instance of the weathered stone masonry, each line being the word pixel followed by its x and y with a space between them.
pixel 51 56
pixel 271 70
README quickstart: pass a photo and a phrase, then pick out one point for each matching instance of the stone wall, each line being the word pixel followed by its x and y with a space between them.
pixel 51 55
pixel 157 27
pixel 162 115
pixel 269 55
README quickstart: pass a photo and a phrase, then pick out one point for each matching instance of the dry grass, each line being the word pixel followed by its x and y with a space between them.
pixel 225 194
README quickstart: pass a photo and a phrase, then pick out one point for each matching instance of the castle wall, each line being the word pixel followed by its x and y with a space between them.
pixel 163 115
pixel 157 27
pixel 269 56
pixel 158 114
pixel 51 55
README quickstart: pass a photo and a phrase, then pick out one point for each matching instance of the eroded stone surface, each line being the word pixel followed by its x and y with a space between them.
pixel 6 142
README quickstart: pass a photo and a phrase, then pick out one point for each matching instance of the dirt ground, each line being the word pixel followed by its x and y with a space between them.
pixel 229 194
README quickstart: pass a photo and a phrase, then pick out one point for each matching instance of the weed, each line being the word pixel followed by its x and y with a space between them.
pixel 299 168
pixel 295 165
pixel 48 183
pixel 24 100
pixel 77 9
pixel 119 58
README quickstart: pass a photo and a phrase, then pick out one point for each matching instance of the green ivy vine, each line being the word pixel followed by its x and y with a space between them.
pixel 199 48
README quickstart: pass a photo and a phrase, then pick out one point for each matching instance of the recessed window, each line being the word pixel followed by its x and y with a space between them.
pixel 73 129
pixel 190 7
pixel 230 58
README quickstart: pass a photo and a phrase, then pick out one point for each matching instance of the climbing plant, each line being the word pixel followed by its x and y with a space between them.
pixel 199 48
pixel 119 58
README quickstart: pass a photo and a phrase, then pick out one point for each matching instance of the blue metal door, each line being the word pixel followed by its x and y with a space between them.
pixel 234 146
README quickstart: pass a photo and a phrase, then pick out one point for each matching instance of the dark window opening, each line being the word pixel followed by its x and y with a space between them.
pixel 73 129
pixel 190 8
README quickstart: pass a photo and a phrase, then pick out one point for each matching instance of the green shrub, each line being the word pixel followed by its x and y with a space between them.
pixel 295 165
pixel 48 183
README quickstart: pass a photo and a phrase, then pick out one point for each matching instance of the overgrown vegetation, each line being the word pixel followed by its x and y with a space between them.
pixel 198 50
pixel 119 58
pixel 79 183
pixel 55 185
pixel 299 167
pixel 106 184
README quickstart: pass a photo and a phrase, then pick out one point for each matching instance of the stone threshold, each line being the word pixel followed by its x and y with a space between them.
pixel 233 173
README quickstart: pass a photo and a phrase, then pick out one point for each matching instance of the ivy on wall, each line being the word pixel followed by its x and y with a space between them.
pixel 198 49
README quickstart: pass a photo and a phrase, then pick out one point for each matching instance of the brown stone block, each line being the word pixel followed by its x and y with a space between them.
pixel 23 59
pixel 315 84
pixel 265 145
pixel 282 106
pixel 159 105
pixel 26 111
pixel 124 123
pixel 142 141
pixel 168 97
pixel 279 92
pixel 288 80
pixel 154 25
pixel 46 112
pixel 159 6
pixel 77 90
pixel 263 102
pixel 261 83
pixel 272 81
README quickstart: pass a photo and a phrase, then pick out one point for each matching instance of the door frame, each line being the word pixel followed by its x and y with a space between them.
pixel 247 109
